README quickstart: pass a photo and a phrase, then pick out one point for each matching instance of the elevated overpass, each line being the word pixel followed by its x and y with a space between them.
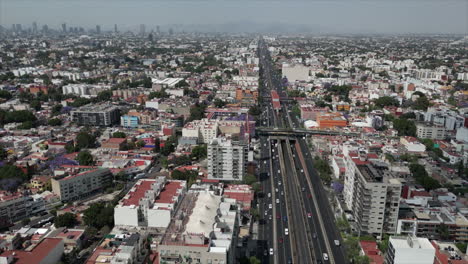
pixel 300 132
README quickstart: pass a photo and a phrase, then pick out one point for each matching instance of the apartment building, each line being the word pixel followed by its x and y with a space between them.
pixel 17 206
pixel 409 250
pixel 84 90
pixel 96 115
pixel 150 203
pixel 227 159
pixel 81 185
pixel 424 130
pixel 449 119
pixel 372 195
pixel 427 222
pixel 205 130
pixel 129 121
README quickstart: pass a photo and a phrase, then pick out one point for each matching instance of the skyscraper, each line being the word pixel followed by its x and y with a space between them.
pixel 45 29
pixel 142 29
pixel 19 28
pixel 64 28
pixel 115 28
pixel 158 30
pixel 34 27
pixel 98 29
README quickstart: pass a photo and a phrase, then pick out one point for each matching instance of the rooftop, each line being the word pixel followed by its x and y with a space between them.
pixel 410 242
pixel 37 254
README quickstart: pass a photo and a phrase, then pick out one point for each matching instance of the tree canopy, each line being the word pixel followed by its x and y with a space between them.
pixel 404 127
pixel 386 101
pixel 99 215
pixel 11 177
pixel 65 220
pixel 85 140
pixel 422 177
pixel 199 152
pixel 422 103
pixel 119 134
pixel 85 158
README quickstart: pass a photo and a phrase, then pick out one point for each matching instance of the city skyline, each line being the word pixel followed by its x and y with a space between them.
pixel 334 17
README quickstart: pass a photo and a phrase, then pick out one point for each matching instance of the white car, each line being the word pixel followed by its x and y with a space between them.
pixel 337 242
pixel 286 231
pixel 279 183
pixel 325 256
pixel 271 251
pixel 277 201
pixel 269 195
pixel 279 171
pixel 276 189
pixel 270 206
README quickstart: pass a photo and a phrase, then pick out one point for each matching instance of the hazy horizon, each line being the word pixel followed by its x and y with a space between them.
pixel 333 16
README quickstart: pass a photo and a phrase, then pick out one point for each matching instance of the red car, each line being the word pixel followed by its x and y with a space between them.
pixel 280 240
pixel 278 216
pixel 309 215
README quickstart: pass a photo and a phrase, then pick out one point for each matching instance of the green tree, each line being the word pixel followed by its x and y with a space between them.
pixel 422 177
pixel 157 145
pixel 140 143
pixel 386 101
pixel 55 122
pixel 3 153
pixel 422 103
pixel 26 125
pixel 249 179
pixel 255 110
pixel 5 95
pixel 70 148
pixel 219 103
pixel 199 152
pixel 443 231
pixel 35 104
pixel 56 110
pixel 65 220
pixel 85 140
pixel 197 112
pixel 181 84
pixel 99 215
pixel 104 96
pixel 323 169
pixel 404 127
pixel 85 158
pixel 119 134
pixel 168 146
pixel 461 246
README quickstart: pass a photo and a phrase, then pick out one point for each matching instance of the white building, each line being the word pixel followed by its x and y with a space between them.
pixel 84 90
pixel 424 130
pixel 152 104
pixel 205 130
pixel 295 72
pixel 226 159
pixel 409 250
pixel 205 233
pixel 150 203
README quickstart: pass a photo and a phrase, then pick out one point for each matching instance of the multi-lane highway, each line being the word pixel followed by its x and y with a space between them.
pixel 297 224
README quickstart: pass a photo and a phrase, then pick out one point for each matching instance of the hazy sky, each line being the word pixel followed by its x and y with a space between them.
pixel 327 16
